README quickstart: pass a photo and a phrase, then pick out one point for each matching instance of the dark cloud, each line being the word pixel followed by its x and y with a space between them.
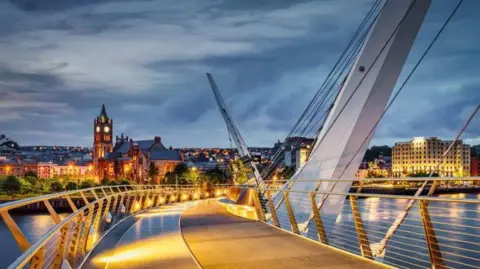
pixel 146 60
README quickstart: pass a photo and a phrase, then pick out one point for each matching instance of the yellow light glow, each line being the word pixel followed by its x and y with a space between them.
pixel 184 197
pixel 70 166
pixel 149 202
pixel 207 195
pixel 137 205
pixel 217 193
pixel 194 169
pixel 196 195
pixel 90 168
pixel 145 253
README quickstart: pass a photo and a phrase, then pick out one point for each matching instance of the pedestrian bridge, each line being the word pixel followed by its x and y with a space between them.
pixel 193 227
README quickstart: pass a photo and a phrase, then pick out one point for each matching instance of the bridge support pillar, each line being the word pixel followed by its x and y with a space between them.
pixel 73 246
pixel 85 231
pixel 291 215
pixel 273 213
pixel 38 259
pixel 322 236
pixel 60 250
pixel 361 233
pixel 19 237
pixel 434 252
pixel 258 205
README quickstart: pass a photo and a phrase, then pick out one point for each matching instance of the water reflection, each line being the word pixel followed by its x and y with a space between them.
pixel 32 226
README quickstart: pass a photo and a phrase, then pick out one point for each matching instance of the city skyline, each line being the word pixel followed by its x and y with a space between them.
pixel 147 63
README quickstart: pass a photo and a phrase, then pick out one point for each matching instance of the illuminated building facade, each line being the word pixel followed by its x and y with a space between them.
pixel 421 155
pixel 72 170
pixel 129 159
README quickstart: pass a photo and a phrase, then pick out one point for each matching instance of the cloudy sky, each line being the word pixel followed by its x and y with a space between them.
pixel 146 60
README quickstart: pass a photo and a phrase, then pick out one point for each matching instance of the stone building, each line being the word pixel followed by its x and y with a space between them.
pixel 422 155
pixel 130 159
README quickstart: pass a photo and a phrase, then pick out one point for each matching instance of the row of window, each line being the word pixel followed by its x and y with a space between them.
pixel 427 168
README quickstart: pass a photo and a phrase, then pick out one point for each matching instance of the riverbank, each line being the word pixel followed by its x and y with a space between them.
pixel 402 190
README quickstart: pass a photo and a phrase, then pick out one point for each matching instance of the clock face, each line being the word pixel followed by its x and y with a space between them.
pixel 98 129
pixel 106 129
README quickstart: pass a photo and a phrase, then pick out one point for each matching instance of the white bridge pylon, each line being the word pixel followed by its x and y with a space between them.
pixel 346 134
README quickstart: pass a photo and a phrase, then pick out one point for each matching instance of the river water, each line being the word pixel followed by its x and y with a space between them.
pixel 455 224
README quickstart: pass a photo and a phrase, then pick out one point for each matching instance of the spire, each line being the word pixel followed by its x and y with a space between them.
pixel 103 112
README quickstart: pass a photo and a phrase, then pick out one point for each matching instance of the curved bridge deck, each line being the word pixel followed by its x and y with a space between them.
pixel 220 240
pixel 216 239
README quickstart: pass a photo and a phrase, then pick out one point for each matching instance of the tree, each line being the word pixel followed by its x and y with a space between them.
pixel 56 186
pixel 32 180
pixel 215 176
pixel 11 185
pixel 112 183
pixel 104 181
pixel 180 175
pixel 71 186
pixel 85 184
pixel 152 171
pixel 238 171
pixel 31 173
pixel 125 182
pixel 32 184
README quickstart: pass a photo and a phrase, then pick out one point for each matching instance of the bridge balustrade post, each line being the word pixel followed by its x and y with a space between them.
pixel 258 205
pixel 17 234
pixel 145 202
pixel 159 199
pixel 61 246
pixel 52 211
pixel 73 246
pixel 273 213
pixel 132 204
pixel 85 200
pixel 434 251
pixel 104 192
pixel 127 203
pixel 70 203
pixel 36 262
pixel 82 244
pixel 119 206
pixel 98 214
pixel 291 215
pixel 140 202
pixel 322 236
pixel 94 194
pixel 359 228
pixel 115 204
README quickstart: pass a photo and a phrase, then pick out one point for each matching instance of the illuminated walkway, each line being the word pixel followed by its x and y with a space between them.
pixel 148 240
pixel 220 240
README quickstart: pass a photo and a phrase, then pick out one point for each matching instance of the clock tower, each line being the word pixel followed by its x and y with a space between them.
pixel 102 139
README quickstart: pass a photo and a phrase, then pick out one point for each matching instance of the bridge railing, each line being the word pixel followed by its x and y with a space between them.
pixel 436 232
pixel 75 234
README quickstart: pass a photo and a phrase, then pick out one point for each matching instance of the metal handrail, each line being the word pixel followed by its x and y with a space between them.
pixel 107 200
pixel 27 255
pixel 389 196
pixel 354 222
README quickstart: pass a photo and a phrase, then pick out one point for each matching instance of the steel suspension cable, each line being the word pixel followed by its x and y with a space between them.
pixel 396 95
pixel 352 41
